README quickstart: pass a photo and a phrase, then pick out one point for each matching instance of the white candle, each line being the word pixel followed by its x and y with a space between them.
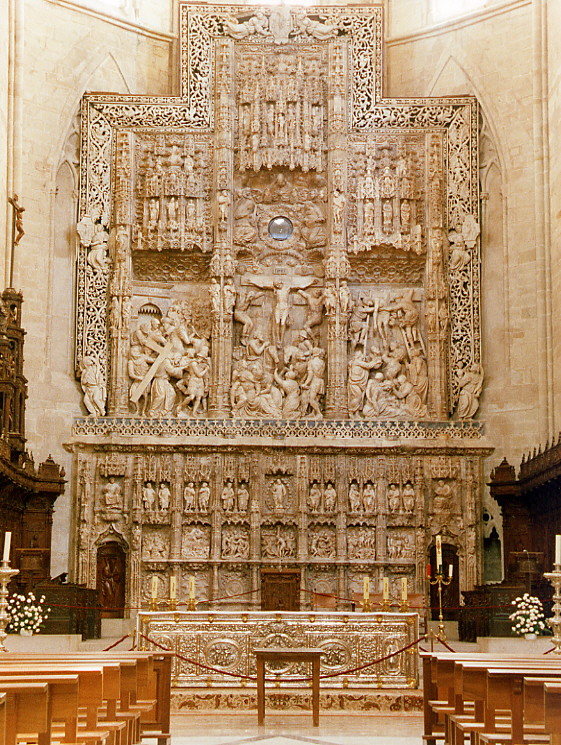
pixel 7 542
pixel 385 588
pixel 172 587
pixel 366 587
pixel 557 549
pixel 154 587
pixel 404 589
pixel 450 570
pixel 191 588
pixel 438 553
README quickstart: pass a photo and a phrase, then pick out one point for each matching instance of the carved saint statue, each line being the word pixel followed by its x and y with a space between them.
pixel 111 493
pixel 228 497
pixel 93 386
pixel 189 496
pixel 355 500
pixel 471 384
pixel 204 496
pixel 242 495
pixel 148 496
pixel 279 494
pixel 164 496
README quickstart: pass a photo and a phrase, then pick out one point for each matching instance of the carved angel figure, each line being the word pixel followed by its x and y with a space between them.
pixel 257 24
pixel 317 29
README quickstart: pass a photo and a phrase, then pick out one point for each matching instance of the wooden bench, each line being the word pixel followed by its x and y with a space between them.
pixel 481 696
pixel 123 696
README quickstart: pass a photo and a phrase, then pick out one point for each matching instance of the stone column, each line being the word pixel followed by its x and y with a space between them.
pixel 337 263
pixel 120 290
pixel 222 265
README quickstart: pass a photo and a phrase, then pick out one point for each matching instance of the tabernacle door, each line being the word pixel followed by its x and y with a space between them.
pixel 280 590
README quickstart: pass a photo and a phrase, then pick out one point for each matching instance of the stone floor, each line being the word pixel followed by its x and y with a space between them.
pixel 204 728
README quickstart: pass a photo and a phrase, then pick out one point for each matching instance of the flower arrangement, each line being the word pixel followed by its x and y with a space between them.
pixel 27 613
pixel 528 618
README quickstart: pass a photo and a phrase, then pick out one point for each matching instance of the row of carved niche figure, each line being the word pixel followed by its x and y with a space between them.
pixel 362 498
pixel 281 541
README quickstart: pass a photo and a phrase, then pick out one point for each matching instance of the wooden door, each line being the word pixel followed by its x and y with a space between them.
pixel 280 590
pixel 111 580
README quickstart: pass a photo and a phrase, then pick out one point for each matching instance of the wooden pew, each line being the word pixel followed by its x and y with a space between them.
pixel 2 718
pixel 63 691
pixel 494 690
pixel 445 710
pixel 145 688
pixel 552 711
pixel 25 704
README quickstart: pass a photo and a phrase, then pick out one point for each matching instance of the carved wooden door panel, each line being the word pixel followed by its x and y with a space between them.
pixel 111 580
pixel 280 590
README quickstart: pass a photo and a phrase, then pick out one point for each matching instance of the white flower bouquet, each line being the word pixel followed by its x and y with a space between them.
pixel 27 613
pixel 528 618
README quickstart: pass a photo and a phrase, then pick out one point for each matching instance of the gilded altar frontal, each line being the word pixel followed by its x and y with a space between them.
pixel 278 320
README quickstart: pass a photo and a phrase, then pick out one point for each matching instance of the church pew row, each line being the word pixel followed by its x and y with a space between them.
pixel 486 698
pixel 121 697
pixel 2 718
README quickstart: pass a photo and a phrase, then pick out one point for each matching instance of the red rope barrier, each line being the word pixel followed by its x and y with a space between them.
pixel 122 639
pixel 288 680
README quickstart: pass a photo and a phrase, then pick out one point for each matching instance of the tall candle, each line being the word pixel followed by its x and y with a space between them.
pixel 450 570
pixel 154 587
pixel 404 588
pixel 366 587
pixel 385 588
pixel 7 542
pixel 557 549
pixel 438 553
pixel 173 587
pixel 191 588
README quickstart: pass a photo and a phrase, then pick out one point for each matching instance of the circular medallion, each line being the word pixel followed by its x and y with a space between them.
pixel 280 228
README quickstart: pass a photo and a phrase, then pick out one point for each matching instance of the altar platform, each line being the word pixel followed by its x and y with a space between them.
pixel 214 667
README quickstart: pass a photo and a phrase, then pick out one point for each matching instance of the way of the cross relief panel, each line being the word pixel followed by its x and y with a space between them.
pixel 279 251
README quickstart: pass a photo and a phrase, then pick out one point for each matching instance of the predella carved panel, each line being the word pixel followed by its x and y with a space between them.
pixel 281 268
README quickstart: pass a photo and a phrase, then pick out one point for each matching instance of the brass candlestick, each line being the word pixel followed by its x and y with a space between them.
pixel 555 621
pixel 440 579
pixel 366 604
pixel 192 604
pixel 6 575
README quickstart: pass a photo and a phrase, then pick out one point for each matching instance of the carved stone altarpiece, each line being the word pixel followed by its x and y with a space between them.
pixel 278 330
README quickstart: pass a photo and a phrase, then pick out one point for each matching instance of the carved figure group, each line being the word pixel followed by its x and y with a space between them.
pixel 322 499
pixel 235 544
pixel 167 358
pixel 196 499
pixel 362 498
pixel 272 130
pixel 172 190
pixel 235 499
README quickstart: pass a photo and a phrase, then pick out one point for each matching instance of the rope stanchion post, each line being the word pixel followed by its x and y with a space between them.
pixel 440 580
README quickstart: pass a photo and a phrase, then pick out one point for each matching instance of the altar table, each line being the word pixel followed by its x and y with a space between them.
pixel 291 654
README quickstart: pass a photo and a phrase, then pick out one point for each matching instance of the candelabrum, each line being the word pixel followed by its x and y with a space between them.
pixel 192 604
pixel 6 575
pixel 440 579
pixel 555 621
